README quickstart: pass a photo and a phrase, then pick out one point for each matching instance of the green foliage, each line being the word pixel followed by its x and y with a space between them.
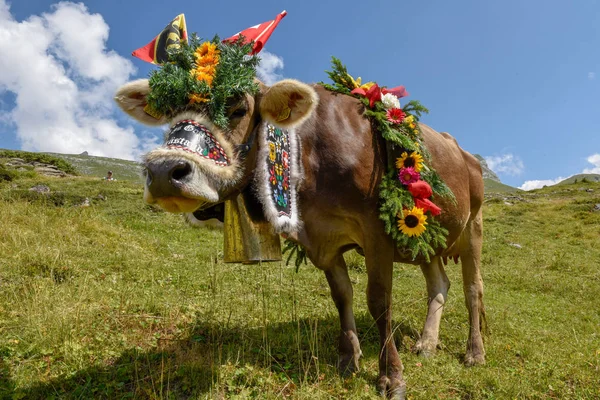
pixel 340 77
pixel 6 175
pixel 41 158
pixel 393 194
pixel 295 249
pixel 172 84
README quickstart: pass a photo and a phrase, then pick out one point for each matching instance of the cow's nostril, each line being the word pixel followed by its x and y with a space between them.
pixel 180 171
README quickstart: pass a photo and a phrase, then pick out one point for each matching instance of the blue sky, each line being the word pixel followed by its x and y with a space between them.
pixel 515 81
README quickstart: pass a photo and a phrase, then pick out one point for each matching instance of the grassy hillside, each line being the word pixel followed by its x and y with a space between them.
pixel 580 178
pixel 119 300
pixel 492 186
pixel 99 166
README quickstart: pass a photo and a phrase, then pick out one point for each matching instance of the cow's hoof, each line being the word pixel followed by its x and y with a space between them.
pixel 391 388
pixel 348 364
pixel 472 359
pixel 425 349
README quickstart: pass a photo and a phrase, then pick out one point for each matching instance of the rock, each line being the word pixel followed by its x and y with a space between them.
pixel 506 203
pixel 516 245
pixel 589 190
pixel 85 153
pixel 40 189
pixel 49 170
pixel 85 203
pixel 596 208
pixel 100 197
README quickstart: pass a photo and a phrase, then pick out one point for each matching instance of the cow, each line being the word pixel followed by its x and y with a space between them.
pixel 343 159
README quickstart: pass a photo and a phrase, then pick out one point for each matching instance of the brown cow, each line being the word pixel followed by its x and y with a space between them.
pixel 343 161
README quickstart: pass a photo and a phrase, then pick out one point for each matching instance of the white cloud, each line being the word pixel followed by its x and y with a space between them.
pixel 508 164
pixel 591 76
pixel 64 78
pixel 269 69
pixel 536 184
pixel 594 159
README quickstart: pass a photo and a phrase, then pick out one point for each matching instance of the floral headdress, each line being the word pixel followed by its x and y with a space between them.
pixel 203 76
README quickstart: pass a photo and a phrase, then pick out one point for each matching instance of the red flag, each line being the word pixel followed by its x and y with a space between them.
pixel 258 33
pixel 155 52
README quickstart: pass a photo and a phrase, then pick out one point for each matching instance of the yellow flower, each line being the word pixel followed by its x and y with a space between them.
pixel 357 83
pixel 413 159
pixel 197 98
pixel 410 121
pixel 412 222
pixel 207 59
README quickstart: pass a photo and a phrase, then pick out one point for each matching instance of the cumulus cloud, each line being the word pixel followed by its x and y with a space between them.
pixel 536 184
pixel 594 159
pixel 269 69
pixel 63 78
pixel 508 164
pixel 591 76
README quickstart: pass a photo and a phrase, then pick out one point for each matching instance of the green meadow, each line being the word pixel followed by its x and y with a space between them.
pixel 104 297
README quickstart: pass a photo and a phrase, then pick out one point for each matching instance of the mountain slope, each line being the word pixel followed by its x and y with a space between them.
pixel 98 166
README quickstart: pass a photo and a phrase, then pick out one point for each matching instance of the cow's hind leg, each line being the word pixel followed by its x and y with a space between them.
pixel 379 257
pixel 470 254
pixel 342 294
pixel 437 291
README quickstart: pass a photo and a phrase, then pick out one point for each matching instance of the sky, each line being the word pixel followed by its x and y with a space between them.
pixel 516 81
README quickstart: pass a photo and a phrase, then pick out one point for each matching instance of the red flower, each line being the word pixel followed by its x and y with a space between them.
pixel 395 115
pixel 421 192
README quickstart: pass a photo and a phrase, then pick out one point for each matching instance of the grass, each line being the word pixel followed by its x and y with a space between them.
pixel 492 186
pixel 119 300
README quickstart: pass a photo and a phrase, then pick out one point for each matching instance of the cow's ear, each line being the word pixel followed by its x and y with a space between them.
pixel 131 97
pixel 288 103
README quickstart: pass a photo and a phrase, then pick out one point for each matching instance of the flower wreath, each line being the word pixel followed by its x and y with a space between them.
pixel 202 76
pixel 406 188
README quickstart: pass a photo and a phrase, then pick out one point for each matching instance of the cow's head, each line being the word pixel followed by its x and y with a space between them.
pixel 181 179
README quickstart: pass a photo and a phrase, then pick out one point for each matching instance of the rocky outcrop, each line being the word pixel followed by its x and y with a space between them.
pixel 19 164
pixel 487 172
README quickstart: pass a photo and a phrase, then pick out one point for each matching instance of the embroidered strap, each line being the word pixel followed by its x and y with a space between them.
pixel 190 136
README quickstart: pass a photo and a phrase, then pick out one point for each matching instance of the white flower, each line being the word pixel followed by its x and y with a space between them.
pixel 390 101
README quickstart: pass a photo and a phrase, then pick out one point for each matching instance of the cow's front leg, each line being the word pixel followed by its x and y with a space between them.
pixel 380 259
pixel 342 294
pixel 437 291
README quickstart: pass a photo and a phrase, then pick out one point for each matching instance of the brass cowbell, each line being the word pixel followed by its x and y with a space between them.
pixel 247 241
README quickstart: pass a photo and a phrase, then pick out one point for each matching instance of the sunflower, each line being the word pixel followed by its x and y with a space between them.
pixel 413 222
pixel 414 160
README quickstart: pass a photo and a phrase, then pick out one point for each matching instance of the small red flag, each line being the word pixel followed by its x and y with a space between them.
pixel 258 33
pixel 155 52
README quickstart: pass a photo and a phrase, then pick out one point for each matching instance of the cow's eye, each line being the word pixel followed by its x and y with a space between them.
pixel 238 113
